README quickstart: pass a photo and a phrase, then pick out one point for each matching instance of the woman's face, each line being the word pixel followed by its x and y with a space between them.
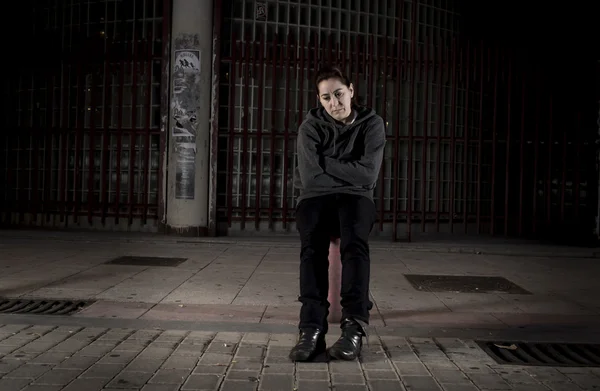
pixel 336 98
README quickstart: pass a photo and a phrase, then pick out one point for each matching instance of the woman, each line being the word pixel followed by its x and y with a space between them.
pixel 340 150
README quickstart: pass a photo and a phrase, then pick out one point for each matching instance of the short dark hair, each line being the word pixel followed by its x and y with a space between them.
pixel 328 72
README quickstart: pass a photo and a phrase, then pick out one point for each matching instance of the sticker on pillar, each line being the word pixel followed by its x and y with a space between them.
pixel 260 11
pixel 184 108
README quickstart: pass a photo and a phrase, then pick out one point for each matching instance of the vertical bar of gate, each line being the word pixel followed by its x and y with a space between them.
pixel 147 125
pixel 395 157
pixel 259 130
pixel 64 137
pixel 577 164
pixel 441 60
pixel 549 178
pixel 480 143
pixel 396 150
pixel 273 133
pixel 342 56
pixel 301 80
pixel 453 109
pixel 466 141
pixel 105 159
pixel 384 63
pixel 133 132
pixel 424 181
pixel 120 131
pixel 34 163
pixel 91 145
pixel 245 64
pixel 371 73
pixel 536 151
pixel 411 118
pixel 165 99
pixel 494 142
pixel 50 132
pixel 522 152
pixel 564 178
pixel 355 61
pixel 230 141
pixel 286 135
pixel 214 119
pixel 78 139
pixel 508 141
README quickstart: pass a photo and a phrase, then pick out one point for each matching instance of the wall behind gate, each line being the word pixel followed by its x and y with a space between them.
pixel 480 140
pixel 80 145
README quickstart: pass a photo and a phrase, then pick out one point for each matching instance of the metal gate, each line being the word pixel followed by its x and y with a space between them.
pixel 478 140
pixel 81 144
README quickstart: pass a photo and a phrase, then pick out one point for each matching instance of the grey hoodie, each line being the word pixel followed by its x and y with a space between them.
pixel 338 158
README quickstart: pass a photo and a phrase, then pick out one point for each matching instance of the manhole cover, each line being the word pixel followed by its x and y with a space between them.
pixel 41 306
pixel 146 261
pixel 463 284
pixel 543 354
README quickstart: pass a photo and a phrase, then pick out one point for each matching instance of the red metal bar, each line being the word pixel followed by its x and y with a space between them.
pixel 442 57
pixel 259 131
pixel 121 102
pixel 425 144
pixel 480 144
pixel 508 141
pixel 522 153
pixel 286 139
pixel 536 147
pixel 133 133
pixel 147 120
pixel 104 188
pixel 245 65
pixel 549 179
pixel 466 142
pixel 494 142
pixel 273 134
pixel 91 147
pixel 452 183
pixel 230 141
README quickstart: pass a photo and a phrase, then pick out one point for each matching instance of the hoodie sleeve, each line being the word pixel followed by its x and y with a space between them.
pixel 365 171
pixel 310 169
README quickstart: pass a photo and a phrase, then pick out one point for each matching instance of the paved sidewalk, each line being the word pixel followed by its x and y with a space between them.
pixel 50 358
pixel 257 282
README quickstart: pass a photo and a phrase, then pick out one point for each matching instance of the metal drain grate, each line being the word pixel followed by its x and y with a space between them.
pixel 41 307
pixel 543 354
pixel 463 284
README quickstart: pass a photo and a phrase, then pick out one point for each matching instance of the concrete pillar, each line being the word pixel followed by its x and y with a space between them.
pixel 189 117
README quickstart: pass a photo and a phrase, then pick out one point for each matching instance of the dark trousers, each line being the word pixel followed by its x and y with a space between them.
pixel 317 220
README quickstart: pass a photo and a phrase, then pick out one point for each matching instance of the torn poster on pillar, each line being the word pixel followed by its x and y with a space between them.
pixel 184 108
